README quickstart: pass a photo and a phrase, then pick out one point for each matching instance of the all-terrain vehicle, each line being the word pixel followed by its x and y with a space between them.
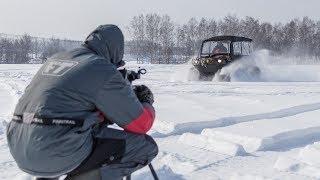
pixel 220 51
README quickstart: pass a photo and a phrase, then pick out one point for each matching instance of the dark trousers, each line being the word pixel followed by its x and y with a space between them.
pixel 116 154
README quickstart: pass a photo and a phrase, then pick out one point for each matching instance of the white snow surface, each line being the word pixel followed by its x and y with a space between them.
pixel 240 130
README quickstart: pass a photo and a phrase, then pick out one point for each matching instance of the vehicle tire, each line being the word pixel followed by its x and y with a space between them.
pixel 255 71
pixel 205 77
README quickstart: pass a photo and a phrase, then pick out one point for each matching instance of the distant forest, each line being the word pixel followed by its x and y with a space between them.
pixel 27 49
pixel 157 39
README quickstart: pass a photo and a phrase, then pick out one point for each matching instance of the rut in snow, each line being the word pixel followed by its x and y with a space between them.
pixel 197 127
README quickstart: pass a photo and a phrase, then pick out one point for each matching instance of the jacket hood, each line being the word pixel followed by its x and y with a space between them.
pixel 107 41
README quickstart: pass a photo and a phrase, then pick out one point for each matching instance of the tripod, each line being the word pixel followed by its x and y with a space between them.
pixel 153 172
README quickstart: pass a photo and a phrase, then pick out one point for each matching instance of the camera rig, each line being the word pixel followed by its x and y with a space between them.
pixel 132 75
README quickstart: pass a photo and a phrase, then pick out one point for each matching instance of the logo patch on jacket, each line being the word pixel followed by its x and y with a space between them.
pixel 58 67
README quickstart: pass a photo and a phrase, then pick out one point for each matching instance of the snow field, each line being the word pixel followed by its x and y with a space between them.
pixel 213 130
pixel 271 134
pixel 237 176
pixel 308 154
pixel 306 163
pixel 295 166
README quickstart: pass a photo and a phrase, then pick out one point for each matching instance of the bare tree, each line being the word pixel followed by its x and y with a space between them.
pixel 191 36
pixel 52 47
pixel 306 31
pixel 23 49
pixel 166 38
pixel 230 25
pixel 137 32
pixel 290 38
pixel 212 28
pixel 8 51
pixel 316 41
pixel 152 36
pixel 249 27
pixel 264 37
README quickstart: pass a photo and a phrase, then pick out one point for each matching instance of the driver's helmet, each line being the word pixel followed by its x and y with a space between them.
pixel 220 48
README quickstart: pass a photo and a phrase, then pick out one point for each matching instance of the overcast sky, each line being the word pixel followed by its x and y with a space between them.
pixel 74 19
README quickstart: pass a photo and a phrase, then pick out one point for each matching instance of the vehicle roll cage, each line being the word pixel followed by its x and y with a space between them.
pixel 231 39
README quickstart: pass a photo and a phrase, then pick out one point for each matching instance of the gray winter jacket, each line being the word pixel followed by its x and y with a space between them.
pixel 73 85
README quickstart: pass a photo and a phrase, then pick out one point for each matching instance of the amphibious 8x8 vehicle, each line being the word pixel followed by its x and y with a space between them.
pixel 220 51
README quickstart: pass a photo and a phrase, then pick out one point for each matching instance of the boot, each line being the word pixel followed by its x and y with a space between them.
pixel 92 175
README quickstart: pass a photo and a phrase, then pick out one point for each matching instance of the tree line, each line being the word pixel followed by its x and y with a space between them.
pixel 27 49
pixel 157 39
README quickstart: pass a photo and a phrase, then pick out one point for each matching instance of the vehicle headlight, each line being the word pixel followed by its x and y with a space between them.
pixel 219 61
pixel 195 61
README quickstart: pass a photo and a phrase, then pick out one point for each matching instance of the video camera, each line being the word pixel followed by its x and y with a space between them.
pixel 132 75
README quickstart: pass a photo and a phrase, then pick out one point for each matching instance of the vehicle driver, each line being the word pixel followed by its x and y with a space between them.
pixel 220 48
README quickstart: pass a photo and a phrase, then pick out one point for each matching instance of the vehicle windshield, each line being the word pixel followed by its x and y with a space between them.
pixel 215 47
pixel 242 48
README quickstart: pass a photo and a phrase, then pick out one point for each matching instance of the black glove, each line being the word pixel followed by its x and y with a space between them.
pixel 144 94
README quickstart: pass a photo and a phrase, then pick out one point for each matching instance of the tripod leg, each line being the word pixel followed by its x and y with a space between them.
pixel 154 174
pixel 128 177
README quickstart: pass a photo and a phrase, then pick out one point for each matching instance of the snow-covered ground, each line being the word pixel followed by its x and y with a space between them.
pixel 214 130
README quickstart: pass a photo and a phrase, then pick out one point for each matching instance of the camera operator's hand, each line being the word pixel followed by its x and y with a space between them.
pixel 144 94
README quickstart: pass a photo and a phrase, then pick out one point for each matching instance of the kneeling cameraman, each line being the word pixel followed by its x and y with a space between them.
pixel 60 124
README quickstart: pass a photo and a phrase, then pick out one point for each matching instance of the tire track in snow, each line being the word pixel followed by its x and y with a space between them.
pixel 282 141
pixel 292 139
pixel 197 127
pixel 280 134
